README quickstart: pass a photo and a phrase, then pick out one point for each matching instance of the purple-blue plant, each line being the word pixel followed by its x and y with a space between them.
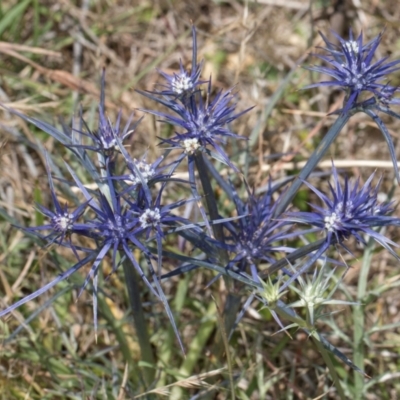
pixel 205 123
pixel 256 236
pixel 350 210
pixel 150 172
pixel 130 211
pixel 62 223
pixel 351 66
pixel 105 137
pixel 183 84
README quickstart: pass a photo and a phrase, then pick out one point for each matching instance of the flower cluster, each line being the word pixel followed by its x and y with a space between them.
pixel 127 211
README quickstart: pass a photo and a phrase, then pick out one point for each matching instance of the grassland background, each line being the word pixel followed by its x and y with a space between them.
pixel 51 57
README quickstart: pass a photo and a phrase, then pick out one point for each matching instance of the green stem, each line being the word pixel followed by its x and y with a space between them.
pixel 139 321
pixel 358 318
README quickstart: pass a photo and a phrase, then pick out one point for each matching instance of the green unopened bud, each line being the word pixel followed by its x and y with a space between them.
pixel 270 292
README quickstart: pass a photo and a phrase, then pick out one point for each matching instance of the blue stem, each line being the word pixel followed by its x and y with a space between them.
pixel 312 162
pixel 210 200
pixel 139 321
pixel 232 303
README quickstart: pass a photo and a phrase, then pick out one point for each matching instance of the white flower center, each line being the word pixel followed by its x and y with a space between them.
pixel 150 218
pixel 108 143
pixel 181 83
pixel 64 222
pixel 191 145
pixel 352 46
pixel 330 221
pixel 146 171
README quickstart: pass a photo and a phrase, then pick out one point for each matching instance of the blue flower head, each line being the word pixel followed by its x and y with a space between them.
pixel 351 66
pixel 183 83
pixel 113 228
pixel 255 235
pixel 105 137
pixel 205 123
pixel 153 216
pixel 349 210
pixel 139 170
pixel 63 223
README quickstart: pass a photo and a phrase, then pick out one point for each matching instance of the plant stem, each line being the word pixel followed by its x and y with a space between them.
pixel 139 321
pixel 210 199
pixel 358 318
pixel 232 303
pixel 312 162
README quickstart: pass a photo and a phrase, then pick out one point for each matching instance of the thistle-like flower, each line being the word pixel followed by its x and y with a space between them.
pixel 183 83
pixel 139 170
pixel 62 222
pixel 204 123
pixel 351 210
pixel 105 137
pixel 152 216
pixel 351 66
pixel 255 235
